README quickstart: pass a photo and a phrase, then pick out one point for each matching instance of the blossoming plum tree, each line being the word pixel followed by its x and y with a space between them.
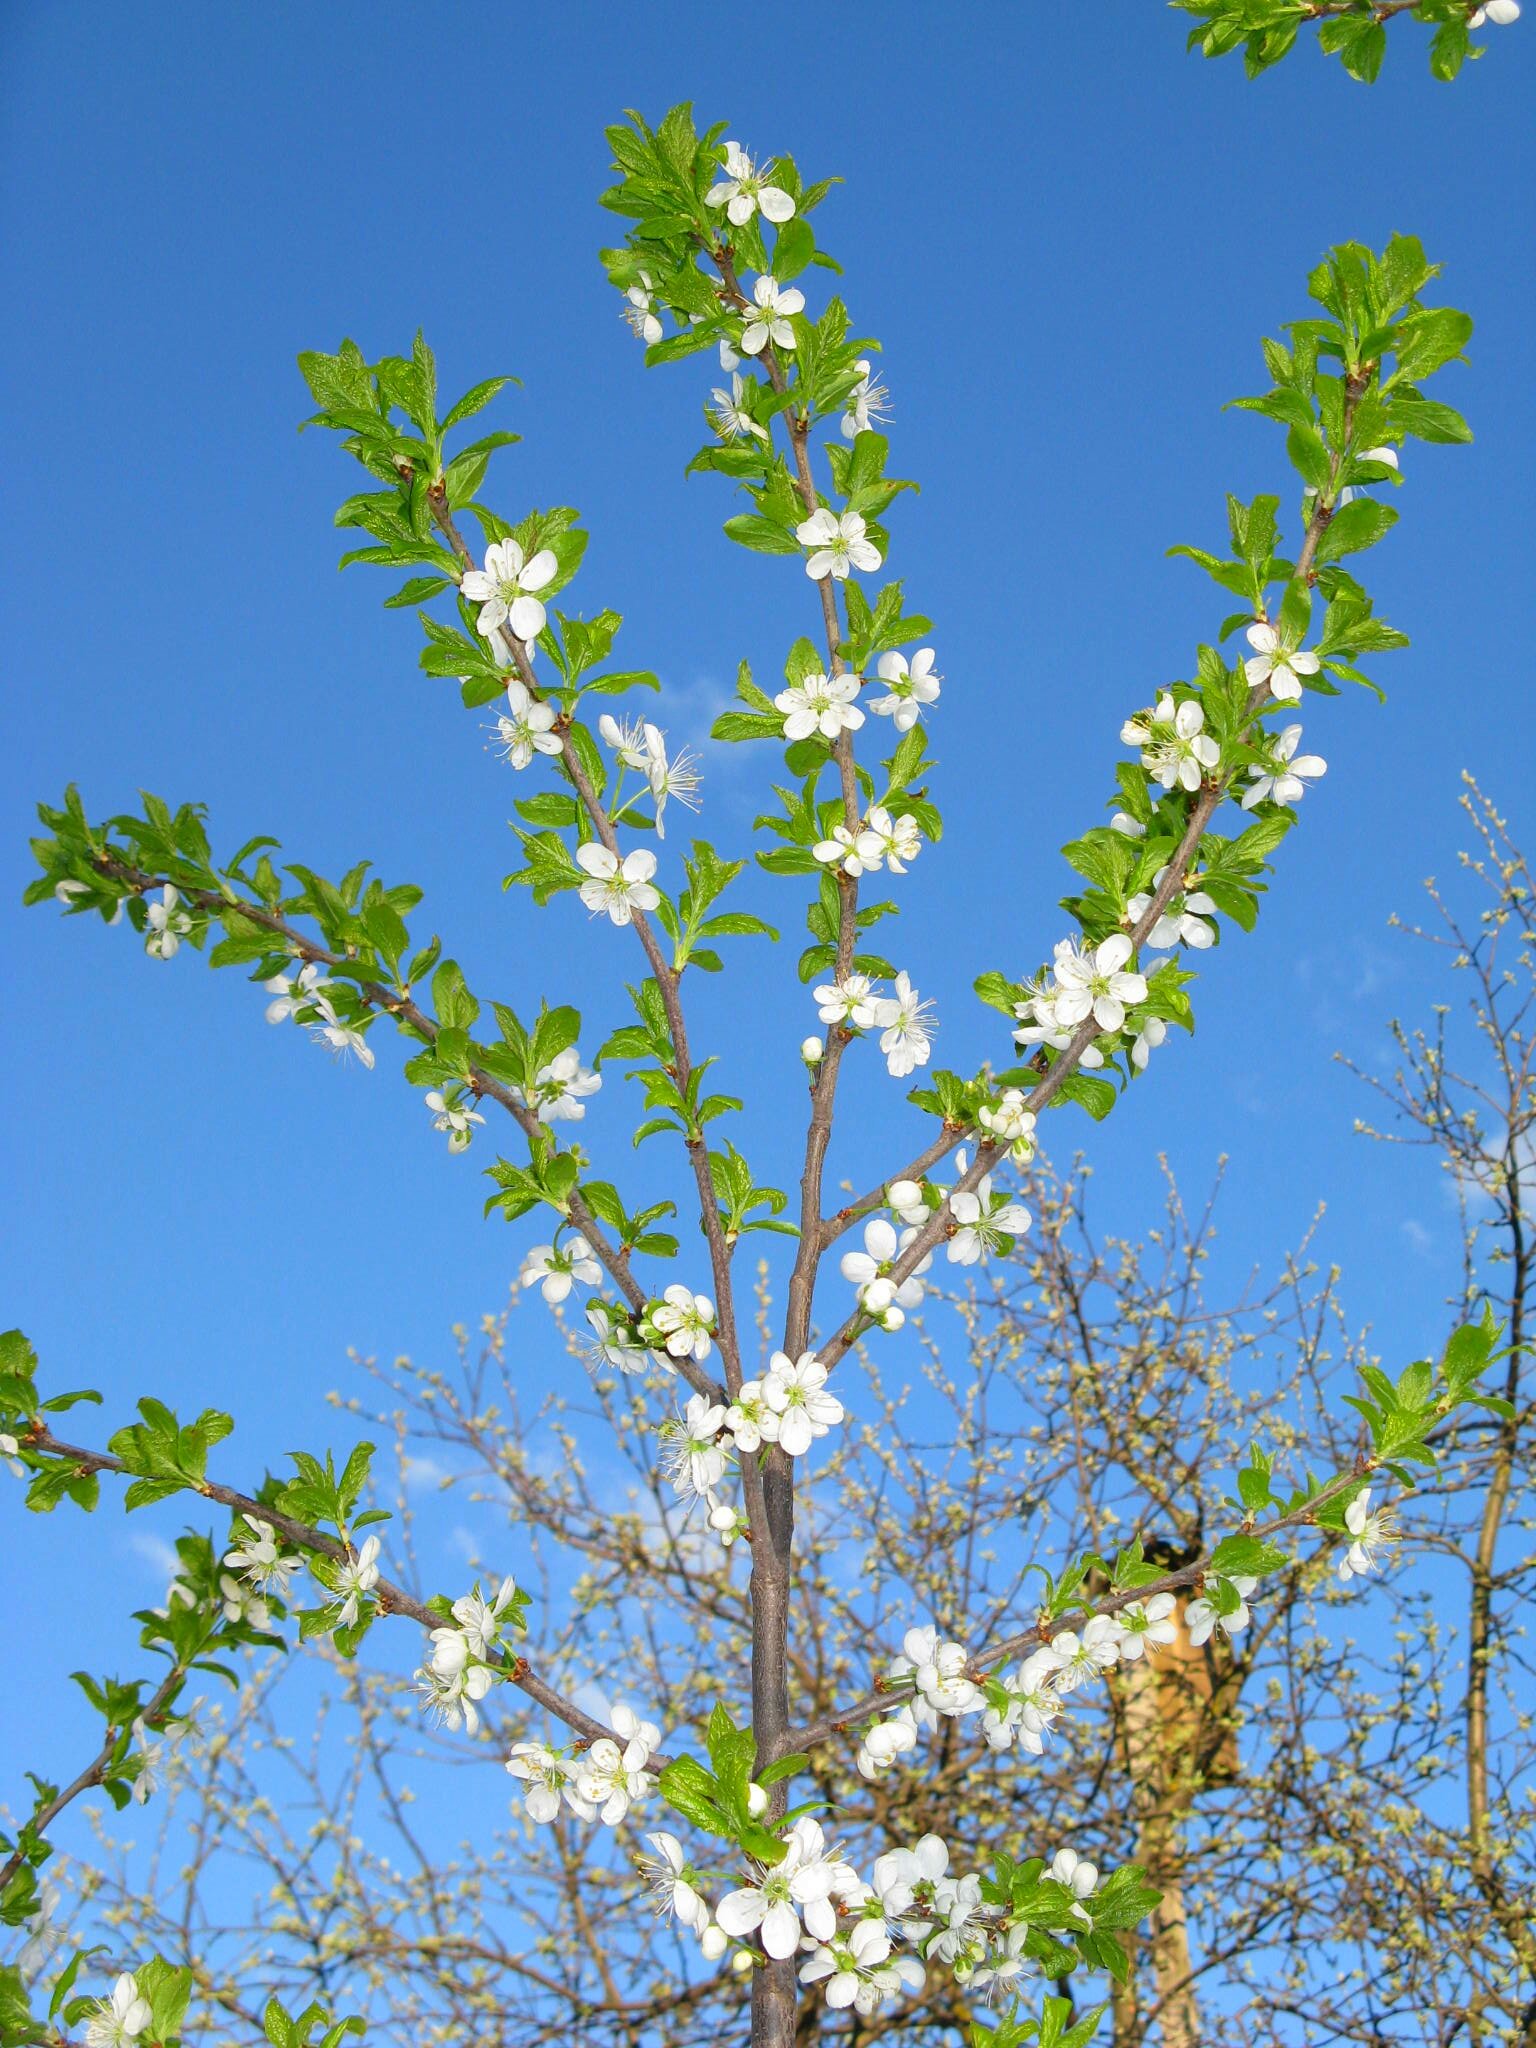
pixel 724 247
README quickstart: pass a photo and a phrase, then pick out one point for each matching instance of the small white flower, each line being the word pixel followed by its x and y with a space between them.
pixel 1201 1618
pixel 820 704
pixel 1078 1875
pixel 608 1779
pixel 1127 826
pixel 885 1743
pixel 292 993
pixel 355 1579
pixel 504 590
pixel 867 402
pixel 939 1671
pixel 1276 664
pixel 337 1037
pixel 750 1420
pixel 1283 776
pixel 892 841
pixel 908 1201
pixel 157 1757
pixel 242 1603
pixel 1097 983
pixel 614 1342
pixel 985 1222
pixel 693 1457
pixel 668 1879
pixel 906 1028
pixel 1148 1038
pixel 639 744
pixel 120 2019
pixel 259 1558
pixel 1500 12
pixel 745 190
pixel 1010 1123
pixel 449 1114
pixel 775 306
pixel 1369 1531
pixel 795 1393
pixel 843 850
pixel 560 1089
pixel 523 729
pixel 686 1322
pixel 620 888
pixel 1147 1625
pixel 480 1619
pixel 8 1455
pixel 805 1881
pixel 849 1001
pixel 837 544
pixel 640 312
pixel 1079 1657
pixel 168 926
pixel 544 1772
pixel 909 689
pixel 1175 747
pixel 452 1696
pixel 730 418
pixel 870 1270
pixel 553 1269
pixel 1182 920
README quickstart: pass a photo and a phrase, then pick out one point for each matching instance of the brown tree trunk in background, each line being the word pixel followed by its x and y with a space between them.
pixel 1177 1736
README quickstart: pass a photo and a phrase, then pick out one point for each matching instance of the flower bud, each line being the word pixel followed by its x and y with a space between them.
pixel 757 1801
pixel 811 1051
pixel 741 1962
pixel 714 1942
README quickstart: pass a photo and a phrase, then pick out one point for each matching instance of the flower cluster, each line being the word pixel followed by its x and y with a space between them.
pixel 599 1783
pixel 463 1663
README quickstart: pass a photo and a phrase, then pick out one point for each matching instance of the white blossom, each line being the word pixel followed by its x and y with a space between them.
pixel 1127 826
pixel 1079 1657
pixel 338 1037
pixel 1146 1625
pixel 870 1270
pixel 259 1558
pixel 849 1001
pixel 9 1448
pixel 1276 664
pixel 1096 983
pixel 120 2019
pixel 686 1322
pixel 450 1114
pixel 1078 1875
pixel 892 841
pixel 1370 1530
pixel 480 1620
pixel 908 688
pixel 668 1879
pixel 554 1268
pixel 848 849
pixel 986 1223
pixel 1033 1703
pixel 452 1696
pixel 157 1757
pixel 504 590
pixel 907 1200
pixel 1175 747
pixel 837 544
pixel 805 1881
pixel 770 322
pixel 543 1772
pixel 820 704
pixel 524 728
pixel 354 1579
pixel 694 1458
pixel 1182 919
pixel 560 1089
pixel 750 1420
pixel 640 311
pixel 640 744
pixel 859 1969
pixel 1009 1123
pixel 619 887
pixel 242 1603
pixel 884 1743
pixel 906 1028
pixel 729 417
pixel 795 1392
pixel 609 1778
pixel 745 190
pixel 868 403
pixel 614 1341
pixel 1500 12
pixel 939 1671
pixel 1283 775
pixel 1201 1618
pixel 1150 1035
pixel 168 926
pixel 293 993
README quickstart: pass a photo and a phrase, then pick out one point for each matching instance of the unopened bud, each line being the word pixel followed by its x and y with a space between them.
pixel 811 1051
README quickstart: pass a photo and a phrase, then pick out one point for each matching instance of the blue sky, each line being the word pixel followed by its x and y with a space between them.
pixel 1069 237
